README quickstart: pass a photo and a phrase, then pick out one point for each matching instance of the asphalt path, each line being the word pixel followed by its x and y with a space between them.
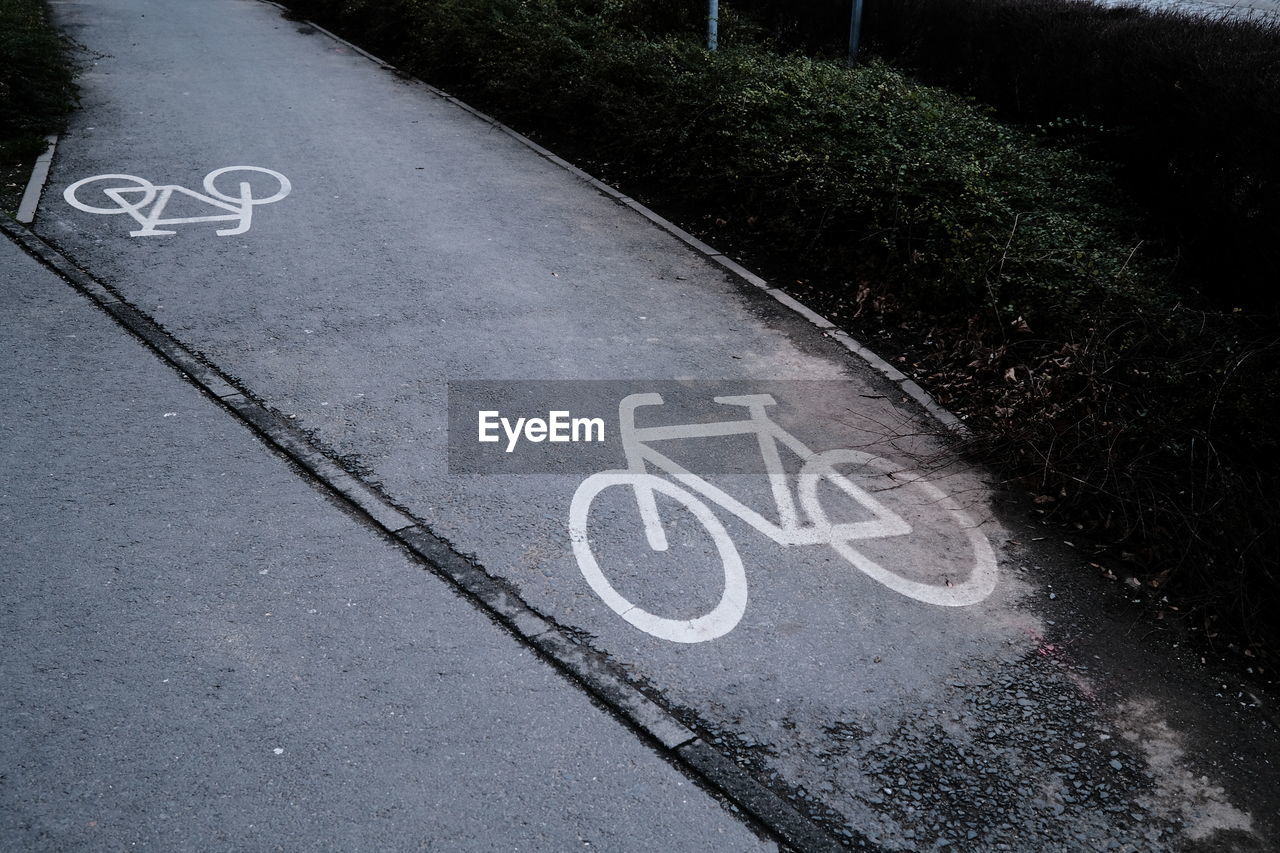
pixel 939 678
pixel 204 652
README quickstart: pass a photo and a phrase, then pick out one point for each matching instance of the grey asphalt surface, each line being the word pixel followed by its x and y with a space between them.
pixel 204 652
pixel 420 246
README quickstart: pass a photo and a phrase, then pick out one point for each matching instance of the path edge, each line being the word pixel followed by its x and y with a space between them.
pixel 35 184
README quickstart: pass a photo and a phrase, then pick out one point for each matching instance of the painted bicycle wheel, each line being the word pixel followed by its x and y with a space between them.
pixel 279 183
pixel 931 549
pixel 717 622
pixel 128 194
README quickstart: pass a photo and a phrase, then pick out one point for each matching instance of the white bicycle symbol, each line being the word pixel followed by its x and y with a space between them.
pixel 132 195
pixel 789 530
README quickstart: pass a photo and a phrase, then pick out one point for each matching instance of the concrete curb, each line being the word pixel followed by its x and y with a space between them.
pixel 592 670
pixel 35 184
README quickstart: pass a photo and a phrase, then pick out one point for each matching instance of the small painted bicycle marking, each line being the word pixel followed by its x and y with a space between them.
pixel 145 202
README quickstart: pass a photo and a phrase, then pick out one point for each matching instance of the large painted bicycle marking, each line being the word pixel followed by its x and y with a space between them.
pixel 980 578
pixel 145 202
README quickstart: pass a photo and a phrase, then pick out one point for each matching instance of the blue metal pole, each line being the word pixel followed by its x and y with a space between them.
pixel 855 31
pixel 713 24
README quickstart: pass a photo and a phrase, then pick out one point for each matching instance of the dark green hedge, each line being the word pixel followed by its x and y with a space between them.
pixel 37 89
pixel 1188 106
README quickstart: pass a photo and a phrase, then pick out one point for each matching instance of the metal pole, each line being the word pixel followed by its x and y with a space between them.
pixel 855 31
pixel 713 23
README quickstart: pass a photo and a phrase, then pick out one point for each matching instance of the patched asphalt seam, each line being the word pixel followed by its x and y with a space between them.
pixel 592 670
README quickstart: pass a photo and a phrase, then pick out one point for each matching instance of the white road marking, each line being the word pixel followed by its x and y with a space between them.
pixel 689 489
pixel 132 195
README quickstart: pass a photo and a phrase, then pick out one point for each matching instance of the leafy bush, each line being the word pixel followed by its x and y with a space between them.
pixel 37 89
pixel 1189 106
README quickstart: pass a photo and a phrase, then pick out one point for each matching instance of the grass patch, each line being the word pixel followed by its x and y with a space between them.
pixel 1021 285
pixel 37 91
pixel 16 158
